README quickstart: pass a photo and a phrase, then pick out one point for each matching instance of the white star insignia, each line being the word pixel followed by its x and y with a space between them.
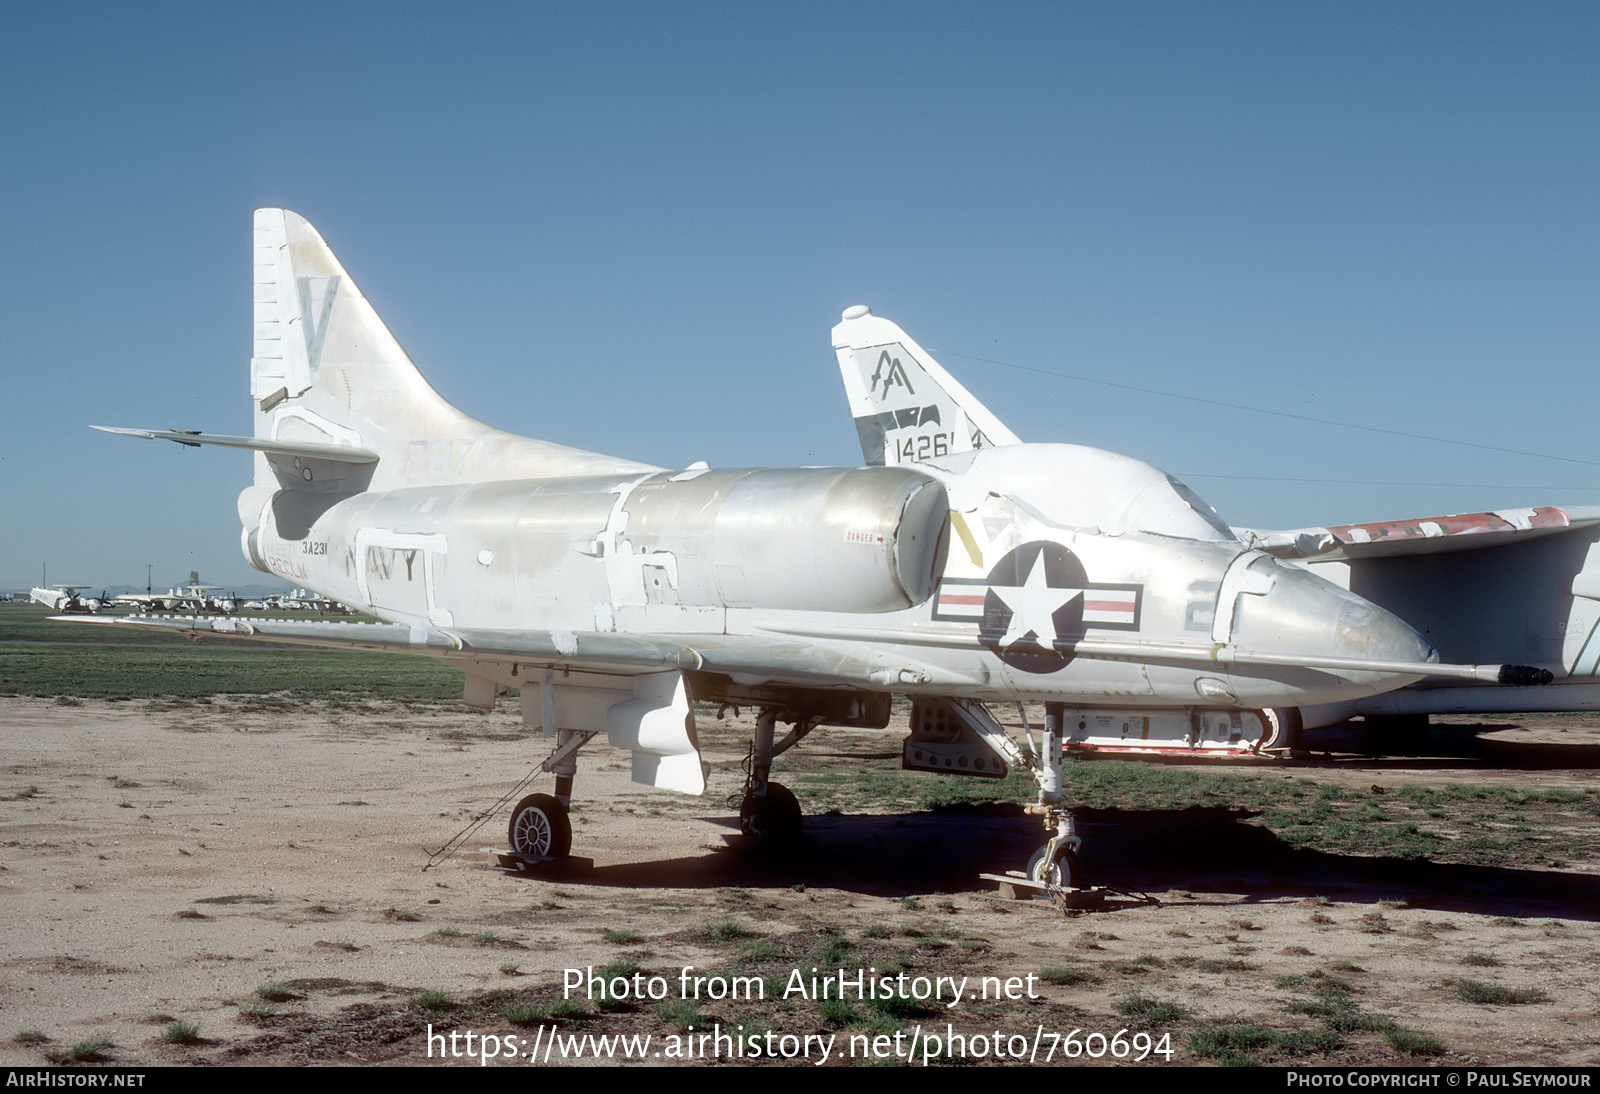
pixel 1032 605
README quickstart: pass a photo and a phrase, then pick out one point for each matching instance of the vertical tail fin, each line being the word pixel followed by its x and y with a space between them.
pixel 907 408
pixel 325 370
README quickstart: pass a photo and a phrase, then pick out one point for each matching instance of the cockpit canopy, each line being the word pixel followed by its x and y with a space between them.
pixel 1085 488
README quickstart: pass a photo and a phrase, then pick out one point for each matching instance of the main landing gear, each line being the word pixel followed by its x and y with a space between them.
pixel 769 810
pixel 541 828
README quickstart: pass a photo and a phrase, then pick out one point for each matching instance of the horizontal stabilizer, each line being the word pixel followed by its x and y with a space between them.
pixel 338 453
pixel 297 465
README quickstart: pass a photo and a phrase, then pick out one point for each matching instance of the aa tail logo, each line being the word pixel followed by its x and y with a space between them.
pixel 896 374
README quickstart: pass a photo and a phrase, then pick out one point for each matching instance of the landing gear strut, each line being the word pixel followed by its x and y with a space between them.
pixel 1056 862
pixel 541 829
pixel 769 810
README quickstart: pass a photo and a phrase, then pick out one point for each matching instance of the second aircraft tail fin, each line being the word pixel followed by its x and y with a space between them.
pixel 907 408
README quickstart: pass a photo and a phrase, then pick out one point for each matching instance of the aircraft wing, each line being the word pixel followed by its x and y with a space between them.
pixel 792 659
pixel 1425 535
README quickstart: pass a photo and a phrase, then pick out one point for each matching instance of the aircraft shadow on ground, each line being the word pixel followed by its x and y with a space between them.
pixel 1199 850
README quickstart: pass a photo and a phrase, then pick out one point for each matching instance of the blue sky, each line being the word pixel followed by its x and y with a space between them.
pixel 630 227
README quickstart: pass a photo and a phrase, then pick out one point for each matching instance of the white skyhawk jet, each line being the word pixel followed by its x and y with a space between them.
pixel 613 593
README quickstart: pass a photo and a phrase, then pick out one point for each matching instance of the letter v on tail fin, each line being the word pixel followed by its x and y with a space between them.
pixel 339 408
pixel 907 408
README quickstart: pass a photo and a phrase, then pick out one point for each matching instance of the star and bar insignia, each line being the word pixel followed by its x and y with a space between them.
pixel 1035 604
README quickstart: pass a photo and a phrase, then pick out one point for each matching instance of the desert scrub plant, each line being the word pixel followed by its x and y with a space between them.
pixel 1237 1045
pixel 1147 1008
pixel 568 1010
pixel 181 1033
pixel 681 1015
pixel 527 1014
pixel 433 1001
pixel 731 930
pixel 1495 995
pixel 1414 1044
pixel 760 949
pixel 275 992
pixel 838 1013
pixel 622 937
pixel 84 1052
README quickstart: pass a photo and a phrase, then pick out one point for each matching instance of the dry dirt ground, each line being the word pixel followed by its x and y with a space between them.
pixel 255 874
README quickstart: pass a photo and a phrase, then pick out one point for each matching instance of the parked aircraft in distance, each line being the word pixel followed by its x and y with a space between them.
pixel 612 593
pixel 1520 585
pixel 65 599
pixel 192 597
pixel 300 600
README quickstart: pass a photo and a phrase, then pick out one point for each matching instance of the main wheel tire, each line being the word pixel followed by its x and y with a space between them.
pixel 540 828
pixel 775 817
pixel 1283 727
pixel 1064 872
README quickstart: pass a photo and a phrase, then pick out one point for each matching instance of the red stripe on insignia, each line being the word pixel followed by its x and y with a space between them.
pixel 962 598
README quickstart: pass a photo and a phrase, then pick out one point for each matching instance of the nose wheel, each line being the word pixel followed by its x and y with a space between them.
pixel 1056 864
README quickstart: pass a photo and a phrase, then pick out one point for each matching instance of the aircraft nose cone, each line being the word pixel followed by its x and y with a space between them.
pixel 1302 614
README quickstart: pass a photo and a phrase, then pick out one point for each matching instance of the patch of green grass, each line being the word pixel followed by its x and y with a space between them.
pixel 622 937
pixel 1414 1044
pixel 84 1052
pixel 760 949
pixel 1066 977
pixel 434 1001
pixel 276 992
pixel 527 1014
pixel 181 1033
pixel 86 661
pixel 731 930
pixel 838 1013
pixel 1148 1009
pixel 1237 1045
pixel 835 951
pixel 1495 995
pixel 682 1015
pixel 901 1006
pixel 623 968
